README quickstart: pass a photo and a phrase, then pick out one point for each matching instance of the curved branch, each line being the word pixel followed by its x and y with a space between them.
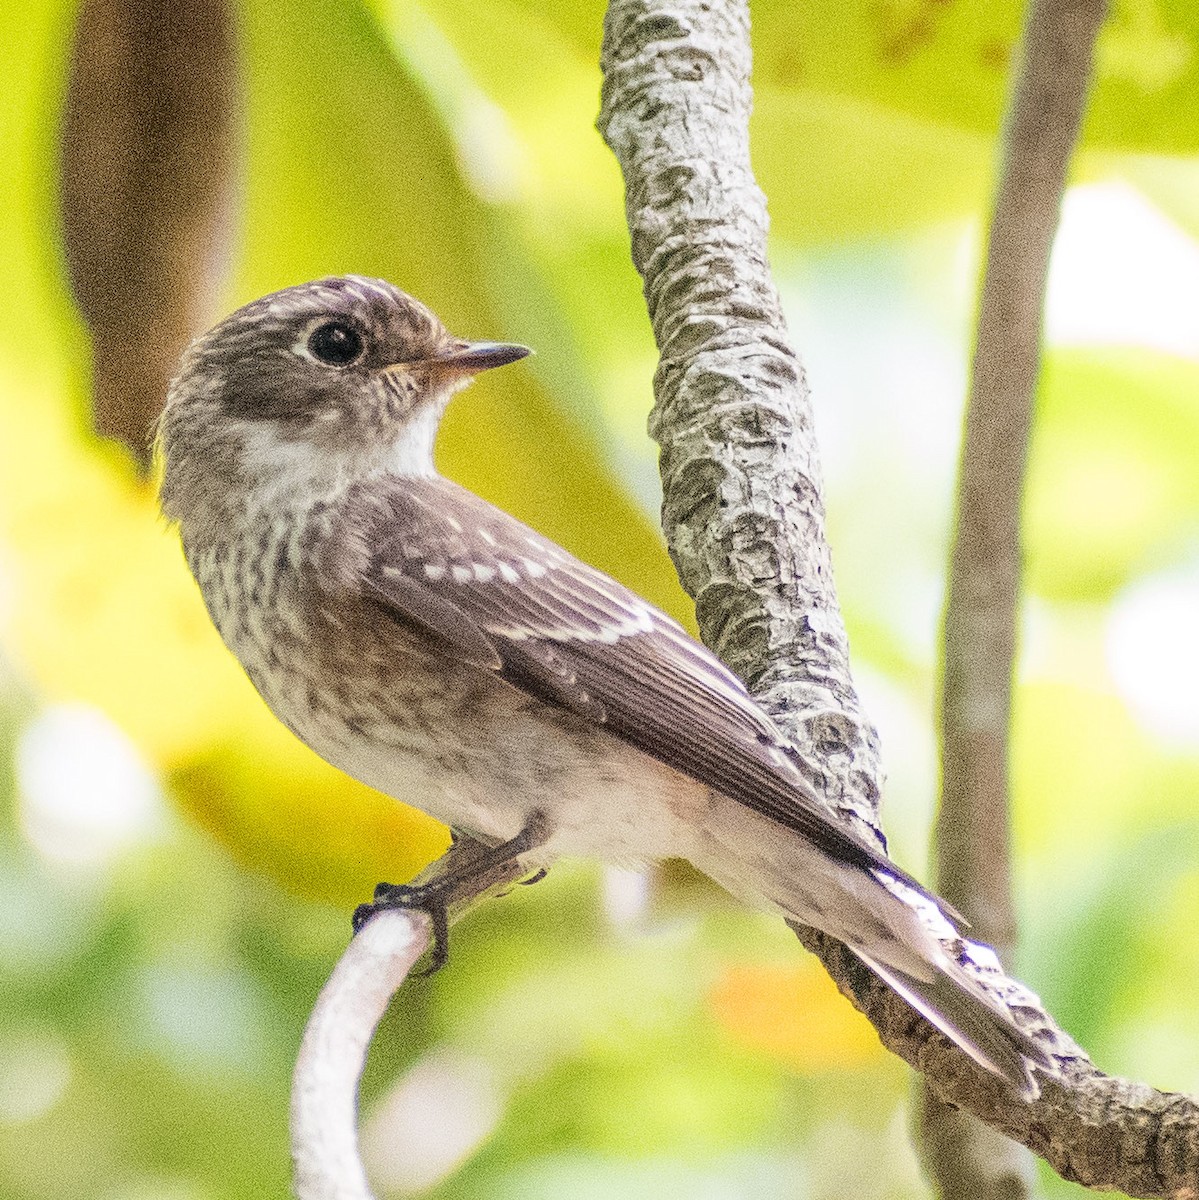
pixel 743 514
pixel 324 1092
pixel 324 1095
pixel 972 839
pixel 742 506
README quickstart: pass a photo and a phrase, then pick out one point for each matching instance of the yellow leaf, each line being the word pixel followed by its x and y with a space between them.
pixel 794 1013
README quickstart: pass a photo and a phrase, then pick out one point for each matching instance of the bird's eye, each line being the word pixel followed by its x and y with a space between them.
pixel 336 344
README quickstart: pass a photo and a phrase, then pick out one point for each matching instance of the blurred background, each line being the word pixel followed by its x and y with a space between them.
pixel 177 873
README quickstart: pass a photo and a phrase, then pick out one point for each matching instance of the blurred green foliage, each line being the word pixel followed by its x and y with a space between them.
pixel 153 989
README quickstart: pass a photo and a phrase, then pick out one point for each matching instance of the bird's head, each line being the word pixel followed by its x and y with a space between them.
pixel 327 374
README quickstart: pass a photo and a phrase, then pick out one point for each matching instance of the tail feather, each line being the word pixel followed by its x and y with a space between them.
pixel 981 1026
pixel 901 932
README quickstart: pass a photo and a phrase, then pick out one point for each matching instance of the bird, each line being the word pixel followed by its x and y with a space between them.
pixel 432 646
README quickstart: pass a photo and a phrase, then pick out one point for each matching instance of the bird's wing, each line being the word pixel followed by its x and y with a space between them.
pixel 492 592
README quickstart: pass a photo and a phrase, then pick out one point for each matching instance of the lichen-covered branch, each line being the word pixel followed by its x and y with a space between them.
pixel 743 515
pixel 742 507
pixel 966 1159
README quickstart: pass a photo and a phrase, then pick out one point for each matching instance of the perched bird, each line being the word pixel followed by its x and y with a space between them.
pixel 435 648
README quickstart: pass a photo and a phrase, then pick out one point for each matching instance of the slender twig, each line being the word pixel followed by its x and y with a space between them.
pixel 743 513
pixel 966 1159
pixel 984 581
pixel 324 1097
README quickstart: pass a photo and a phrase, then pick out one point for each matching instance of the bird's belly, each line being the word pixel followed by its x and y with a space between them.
pixel 478 755
pixel 602 798
pixel 451 739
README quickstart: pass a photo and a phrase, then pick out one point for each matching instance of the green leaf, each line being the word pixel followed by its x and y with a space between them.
pixel 952 63
pixel 1112 485
pixel 836 168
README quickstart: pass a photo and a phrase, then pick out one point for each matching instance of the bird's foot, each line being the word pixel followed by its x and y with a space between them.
pixel 464 872
pixel 433 899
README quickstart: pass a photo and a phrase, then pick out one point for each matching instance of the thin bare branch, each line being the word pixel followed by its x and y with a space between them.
pixel 965 1158
pixel 743 514
pixel 984 583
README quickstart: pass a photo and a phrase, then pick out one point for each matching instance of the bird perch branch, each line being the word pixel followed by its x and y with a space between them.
pixel 324 1093
pixel 743 514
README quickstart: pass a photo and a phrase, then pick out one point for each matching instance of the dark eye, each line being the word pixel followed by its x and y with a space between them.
pixel 336 344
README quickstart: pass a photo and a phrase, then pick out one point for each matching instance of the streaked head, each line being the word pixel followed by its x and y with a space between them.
pixel 343 365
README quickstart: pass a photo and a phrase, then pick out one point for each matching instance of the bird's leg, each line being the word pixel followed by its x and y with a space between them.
pixel 463 873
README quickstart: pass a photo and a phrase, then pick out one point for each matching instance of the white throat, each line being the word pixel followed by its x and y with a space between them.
pixel 411 453
pixel 291 473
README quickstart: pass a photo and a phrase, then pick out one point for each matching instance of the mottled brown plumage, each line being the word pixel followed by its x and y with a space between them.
pixel 439 650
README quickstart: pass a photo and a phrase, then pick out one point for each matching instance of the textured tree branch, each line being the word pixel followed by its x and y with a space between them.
pixel 968 1160
pixel 743 515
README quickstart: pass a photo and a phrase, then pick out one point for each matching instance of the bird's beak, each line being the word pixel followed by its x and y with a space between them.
pixel 469 358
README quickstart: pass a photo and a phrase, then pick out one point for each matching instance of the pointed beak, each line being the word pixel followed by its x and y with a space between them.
pixel 469 358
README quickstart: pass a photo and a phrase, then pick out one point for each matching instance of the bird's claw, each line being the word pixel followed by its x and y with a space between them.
pixel 428 898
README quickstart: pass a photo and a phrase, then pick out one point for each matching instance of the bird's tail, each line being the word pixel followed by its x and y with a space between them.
pixel 970 1018
pixel 904 934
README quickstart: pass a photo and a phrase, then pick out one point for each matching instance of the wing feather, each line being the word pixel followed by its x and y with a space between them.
pixel 501 597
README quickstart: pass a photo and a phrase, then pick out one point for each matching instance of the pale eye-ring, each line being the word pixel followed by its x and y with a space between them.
pixel 336 344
